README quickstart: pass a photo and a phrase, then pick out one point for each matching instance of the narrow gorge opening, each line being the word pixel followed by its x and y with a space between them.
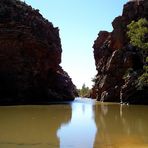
pixel 62 85
pixel 60 63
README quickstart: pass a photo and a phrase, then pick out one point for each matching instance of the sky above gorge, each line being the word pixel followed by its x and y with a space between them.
pixel 79 22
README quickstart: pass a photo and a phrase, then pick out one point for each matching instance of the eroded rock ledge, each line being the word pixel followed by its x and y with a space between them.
pixel 114 56
pixel 30 54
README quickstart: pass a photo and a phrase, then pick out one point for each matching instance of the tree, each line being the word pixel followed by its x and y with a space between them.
pixel 84 91
pixel 138 32
pixel 138 35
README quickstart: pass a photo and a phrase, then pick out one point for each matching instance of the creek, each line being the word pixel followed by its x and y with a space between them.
pixel 83 123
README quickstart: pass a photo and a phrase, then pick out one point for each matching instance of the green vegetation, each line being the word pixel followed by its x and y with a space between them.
pixel 143 80
pixel 128 72
pixel 138 35
pixel 84 91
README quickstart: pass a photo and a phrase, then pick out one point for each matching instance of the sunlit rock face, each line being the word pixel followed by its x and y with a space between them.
pixel 114 56
pixel 30 54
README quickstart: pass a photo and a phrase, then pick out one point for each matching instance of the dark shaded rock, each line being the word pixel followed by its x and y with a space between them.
pixel 114 56
pixel 30 54
pixel 131 94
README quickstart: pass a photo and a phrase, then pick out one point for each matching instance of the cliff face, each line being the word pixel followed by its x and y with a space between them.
pixel 30 54
pixel 114 56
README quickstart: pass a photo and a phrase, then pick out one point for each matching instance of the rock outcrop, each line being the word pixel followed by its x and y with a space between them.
pixel 30 54
pixel 114 56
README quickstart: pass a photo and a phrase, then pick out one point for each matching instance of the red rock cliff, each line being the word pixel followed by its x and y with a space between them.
pixel 114 55
pixel 30 54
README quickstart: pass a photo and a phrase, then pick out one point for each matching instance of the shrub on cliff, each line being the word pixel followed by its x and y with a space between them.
pixel 138 32
pixel 143 81
pixel 138 35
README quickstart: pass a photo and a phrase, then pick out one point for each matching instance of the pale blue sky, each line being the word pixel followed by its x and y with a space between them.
pixel 79 22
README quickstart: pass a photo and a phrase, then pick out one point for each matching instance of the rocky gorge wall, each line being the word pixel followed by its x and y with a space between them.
pixel 30 54
pixel 114 56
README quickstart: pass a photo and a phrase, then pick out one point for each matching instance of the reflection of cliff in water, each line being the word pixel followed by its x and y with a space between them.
pixel 121 126
pixel 32 125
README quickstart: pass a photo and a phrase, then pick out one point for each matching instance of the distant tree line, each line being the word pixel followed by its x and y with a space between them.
pixel 84 91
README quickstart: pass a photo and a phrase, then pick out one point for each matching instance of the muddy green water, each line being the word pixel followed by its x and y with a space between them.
pixel 80 124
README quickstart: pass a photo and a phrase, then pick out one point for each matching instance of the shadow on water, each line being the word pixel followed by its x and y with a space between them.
pixel 32 126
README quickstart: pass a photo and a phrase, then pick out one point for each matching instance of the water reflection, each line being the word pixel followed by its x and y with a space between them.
pixel 80 132
pixel 121 126
pixel 82 124
pixel 32 126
